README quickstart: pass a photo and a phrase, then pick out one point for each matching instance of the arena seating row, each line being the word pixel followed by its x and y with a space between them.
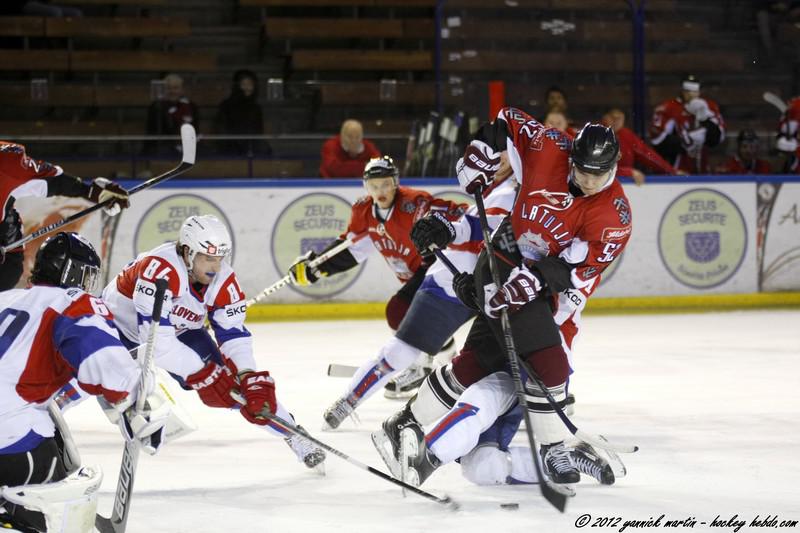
pixel 102 27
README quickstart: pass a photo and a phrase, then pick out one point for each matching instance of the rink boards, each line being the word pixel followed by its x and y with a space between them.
pixel 695 241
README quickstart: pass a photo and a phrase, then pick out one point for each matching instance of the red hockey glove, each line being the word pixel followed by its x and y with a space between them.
pixel 477 168
pixel 213 384
pixel 258 389
pixel 521 287
pixel 103 189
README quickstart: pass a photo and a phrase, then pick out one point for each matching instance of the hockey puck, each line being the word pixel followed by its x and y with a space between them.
pixel 509 506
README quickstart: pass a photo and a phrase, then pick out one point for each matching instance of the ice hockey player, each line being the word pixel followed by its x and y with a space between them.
pixel 435 312
pixel 571 219
pixel 202 285
pixel 52 332
pixel 684 128
pixel 788 136
pixel 20 176
pixel 387 213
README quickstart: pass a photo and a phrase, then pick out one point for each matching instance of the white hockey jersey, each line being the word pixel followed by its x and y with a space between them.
pixel 130 298
pixel 463 251
pixel 49 335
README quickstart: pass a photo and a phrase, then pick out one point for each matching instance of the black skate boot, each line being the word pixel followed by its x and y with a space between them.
pixel 557 463
pixel 589 462
pixel 387 439
pixel 416 460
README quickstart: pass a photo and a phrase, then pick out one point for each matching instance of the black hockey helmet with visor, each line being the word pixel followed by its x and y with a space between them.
pixel 595 149
pixel 66 260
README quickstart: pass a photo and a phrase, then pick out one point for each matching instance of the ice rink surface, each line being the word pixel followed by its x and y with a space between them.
pixel 711 399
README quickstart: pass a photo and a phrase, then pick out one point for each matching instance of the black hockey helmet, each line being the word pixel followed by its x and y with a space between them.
pixel 747 136
pixel 66 260
pixel 381 167
pixel 595 149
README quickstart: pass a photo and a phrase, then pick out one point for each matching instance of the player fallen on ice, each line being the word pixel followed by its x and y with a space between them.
pixel 570 220
pixel 53 332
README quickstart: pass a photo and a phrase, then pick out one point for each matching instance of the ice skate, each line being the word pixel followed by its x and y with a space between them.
pixel 406 383
pixel 557 463
pixel 337 412
pixel 417 461
pixel 306 451
pixel 387 439
pixel 589 462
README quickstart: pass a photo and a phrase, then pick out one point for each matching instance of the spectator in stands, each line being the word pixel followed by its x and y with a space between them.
pixel 684 128
pixel 166 116
pixel 634 151
pixel 556 119
pixel 345 155
pixel 745 160
pixel 555 100
pixel 789 135
pixel 240 114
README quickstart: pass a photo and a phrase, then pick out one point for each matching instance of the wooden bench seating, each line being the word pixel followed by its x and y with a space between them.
pixel 557 5
pixel 101 27
pixel 362 60
pixel 9 128
pixel 106 61
pixel 338 3
pixel 615 31
pixel 355 28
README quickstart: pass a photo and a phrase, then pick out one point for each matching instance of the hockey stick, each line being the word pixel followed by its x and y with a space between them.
pixel 594 441
pixel 774 99
pixel 341 371
pixel 287 279
pixel 290 428
pixel 556 495
pixel 130 455
pixel 189 145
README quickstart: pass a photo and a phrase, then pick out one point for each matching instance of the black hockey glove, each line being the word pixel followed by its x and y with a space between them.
pixel 432 230
pixel 464 287
pixel 300 271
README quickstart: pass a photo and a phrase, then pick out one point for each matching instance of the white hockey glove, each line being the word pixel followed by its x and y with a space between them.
pixel 694 140
pixel 784 144
pixel 477 168
pixel 699 108
pixel 146 426
pixel 521 287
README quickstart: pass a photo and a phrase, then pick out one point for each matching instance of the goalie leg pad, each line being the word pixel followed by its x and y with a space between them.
pixel 64 441
pixel 68 506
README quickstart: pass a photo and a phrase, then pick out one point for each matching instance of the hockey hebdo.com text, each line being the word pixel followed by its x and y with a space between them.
pixel 734 523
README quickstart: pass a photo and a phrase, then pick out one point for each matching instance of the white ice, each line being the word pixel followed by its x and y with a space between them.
pixel 711 399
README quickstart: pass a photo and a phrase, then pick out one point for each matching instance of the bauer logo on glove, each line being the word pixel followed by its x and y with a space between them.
pixel 521 287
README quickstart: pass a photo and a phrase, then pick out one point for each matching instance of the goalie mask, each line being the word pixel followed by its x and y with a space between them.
pixel 205 234
pixel 594 156
pixel 66 260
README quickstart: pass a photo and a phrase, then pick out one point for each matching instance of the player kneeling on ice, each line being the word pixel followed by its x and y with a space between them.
pixel 386 214
pixel 52 332
pixel 477 432
pixel 201 285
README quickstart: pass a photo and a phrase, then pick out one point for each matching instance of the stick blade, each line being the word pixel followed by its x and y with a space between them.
pixel 556 496
pixel 188 143
pixel 774 99
pixel 103 524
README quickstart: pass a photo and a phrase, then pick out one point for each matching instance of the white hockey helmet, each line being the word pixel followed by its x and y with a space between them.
pixel 205 234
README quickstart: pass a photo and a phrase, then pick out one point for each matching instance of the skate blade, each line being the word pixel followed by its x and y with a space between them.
pixel 409 449
pixel 384 448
